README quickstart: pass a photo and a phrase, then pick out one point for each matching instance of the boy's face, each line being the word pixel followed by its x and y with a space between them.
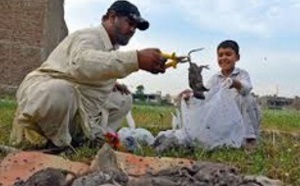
pixel 227 58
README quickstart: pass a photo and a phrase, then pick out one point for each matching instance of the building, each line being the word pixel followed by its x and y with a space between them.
pixel 275 102
pixel 155 98
pixel 29 31
pixel 296 103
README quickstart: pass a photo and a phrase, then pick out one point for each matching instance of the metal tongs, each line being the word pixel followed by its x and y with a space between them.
pixel 174 59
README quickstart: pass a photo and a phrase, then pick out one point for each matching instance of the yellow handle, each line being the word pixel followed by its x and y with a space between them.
pixel 173 60
pixel 169 56
pixel 173 64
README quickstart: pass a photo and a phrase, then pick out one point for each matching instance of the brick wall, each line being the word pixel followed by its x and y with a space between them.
pixel 29 30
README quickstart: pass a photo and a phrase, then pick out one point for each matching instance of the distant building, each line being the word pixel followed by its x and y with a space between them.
pixel 148 98
pixel 296 103
pixel 275 102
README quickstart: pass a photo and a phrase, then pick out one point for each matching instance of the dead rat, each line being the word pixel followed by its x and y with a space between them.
pixel 48 177
pixel 196 80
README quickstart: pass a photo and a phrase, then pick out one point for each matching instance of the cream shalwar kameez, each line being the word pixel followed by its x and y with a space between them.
pixel 247 104
pixel 76 80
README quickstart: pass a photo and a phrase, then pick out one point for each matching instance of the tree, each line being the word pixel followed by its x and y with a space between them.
pixel 140 92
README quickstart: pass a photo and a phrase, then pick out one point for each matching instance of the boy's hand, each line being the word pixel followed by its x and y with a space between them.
pixel 227 83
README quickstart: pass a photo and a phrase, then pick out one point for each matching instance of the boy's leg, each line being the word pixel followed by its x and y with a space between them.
pixel 252 116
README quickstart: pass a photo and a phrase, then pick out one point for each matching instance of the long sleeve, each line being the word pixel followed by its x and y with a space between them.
pixel 239 74
pixel 88 56
pixel 244 78
pixel 89 63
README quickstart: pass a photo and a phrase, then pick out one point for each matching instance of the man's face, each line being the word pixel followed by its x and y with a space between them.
pixel 124 29
pixel 227 58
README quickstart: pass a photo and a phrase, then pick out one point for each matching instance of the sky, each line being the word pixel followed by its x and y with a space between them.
pixel 268 32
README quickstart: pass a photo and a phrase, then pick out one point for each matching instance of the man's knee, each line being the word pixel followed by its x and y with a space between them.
pixel 121 101
pixel 60 89
pixel 46 101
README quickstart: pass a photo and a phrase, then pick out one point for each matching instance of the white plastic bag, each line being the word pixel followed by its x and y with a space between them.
pixel 215 121
pixel 179 134
pixel 141 135
pixel 173 138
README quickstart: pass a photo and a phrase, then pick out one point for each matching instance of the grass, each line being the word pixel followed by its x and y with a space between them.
pixel 153 118
pixel 284 120
pixel 277 156
pixel 7 109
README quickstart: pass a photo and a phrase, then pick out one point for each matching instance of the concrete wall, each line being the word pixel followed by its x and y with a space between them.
pixel 29 31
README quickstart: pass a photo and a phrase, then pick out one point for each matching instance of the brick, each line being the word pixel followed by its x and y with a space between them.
pixel 5 34
pixel 27 27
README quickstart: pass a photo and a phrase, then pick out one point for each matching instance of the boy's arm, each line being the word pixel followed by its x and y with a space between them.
pixel 243 85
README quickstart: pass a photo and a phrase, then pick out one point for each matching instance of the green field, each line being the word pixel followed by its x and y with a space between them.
pixel 277 155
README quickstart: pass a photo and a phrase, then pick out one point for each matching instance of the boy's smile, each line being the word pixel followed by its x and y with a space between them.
pixel 227 58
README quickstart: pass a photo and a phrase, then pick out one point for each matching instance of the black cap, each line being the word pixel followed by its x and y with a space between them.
pixel 126 8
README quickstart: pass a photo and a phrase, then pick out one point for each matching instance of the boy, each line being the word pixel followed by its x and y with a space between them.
pixel 238 81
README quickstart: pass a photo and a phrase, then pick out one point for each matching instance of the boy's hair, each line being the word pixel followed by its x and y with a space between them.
pixel 229 44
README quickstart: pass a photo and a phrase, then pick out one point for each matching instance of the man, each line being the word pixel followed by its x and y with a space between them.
pixel 75 89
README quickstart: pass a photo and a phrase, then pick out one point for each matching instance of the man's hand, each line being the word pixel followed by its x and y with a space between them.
pixel 151 60
pixel 121 88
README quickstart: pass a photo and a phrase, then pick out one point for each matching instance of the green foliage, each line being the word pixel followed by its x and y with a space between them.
pixel 7 109
pixel 140 90
pixel 7 104
pixel 284 120
pixel 153 118
pixel 277 156
pixel 139 93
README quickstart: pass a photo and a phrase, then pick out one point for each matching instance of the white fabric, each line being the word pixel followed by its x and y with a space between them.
pixel 77 77
pixel 227 83
pixel 225 118
pixel 210 123
pixel 246 103
pixel 215 121
pixel 239 74
pixel 177 130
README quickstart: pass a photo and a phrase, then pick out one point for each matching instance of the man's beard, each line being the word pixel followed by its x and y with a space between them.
pixel 121 39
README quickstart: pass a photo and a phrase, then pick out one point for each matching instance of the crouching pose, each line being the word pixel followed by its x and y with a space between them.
pixel 69 94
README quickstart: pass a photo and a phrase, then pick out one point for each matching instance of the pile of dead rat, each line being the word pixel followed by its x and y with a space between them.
pixel 107 170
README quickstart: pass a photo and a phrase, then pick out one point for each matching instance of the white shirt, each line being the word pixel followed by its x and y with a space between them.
pixel 238 74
